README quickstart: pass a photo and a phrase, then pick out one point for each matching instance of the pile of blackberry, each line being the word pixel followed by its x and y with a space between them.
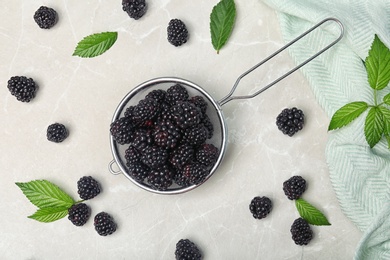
pixel 166 137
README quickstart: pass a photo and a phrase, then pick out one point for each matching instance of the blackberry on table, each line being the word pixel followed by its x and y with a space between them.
pixel 166 134
pixel 45 17
pixel 176 93
pixel 22 88
pixel 187 250
pixel 88 188
pixel 177 32
pixel 134 8
pixel 181 155
pixel 154 156
pixel 56 133
pixel 139 171
pixel 260 207
pixel 207 154
pixel 185 114
pixel 195 172
pixel 79 214
pixel 122 130
pixel 104 224
pixel 301 232
pixel 160 178
pixel 290 121
pixel 195 135
pixel 294 187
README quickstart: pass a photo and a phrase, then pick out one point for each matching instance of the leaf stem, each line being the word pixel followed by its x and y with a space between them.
pixel 375 98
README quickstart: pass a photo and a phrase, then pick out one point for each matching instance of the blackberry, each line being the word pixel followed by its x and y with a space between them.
pixel 166 134
pixel 181 155
pixel 142 139
pixel 104 224
pixel 165 112
pixel 132 156
pixel 207 154
pixel 139 171
pixel 146 110
pixel 185 114
pixel 22 88
pixel 181 180
pixel 122 130
pixel 176 93
pixel 187 250
pixel 177 32
pixel 79 214
pixel 260 207
pixel 200 103
pixel 160 178
pixel 56 133
pixel 88 188
pixel 290 121
pixel 209 126
pixel 157 94
pixel 195 135
pixel 129 112
pixel 134 8
pixel 294 187
pixel 154 156
pixel 45 17
pixel 195 172
pixel 301 232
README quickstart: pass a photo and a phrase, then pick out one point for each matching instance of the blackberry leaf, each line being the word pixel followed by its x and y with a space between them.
pixel 95 44
pixel 386 99
pixel 45 194
pixel 378 65
pixel 311 214
pixel 374 126
pixel 347 114
pixel 49 214
pixel 221 23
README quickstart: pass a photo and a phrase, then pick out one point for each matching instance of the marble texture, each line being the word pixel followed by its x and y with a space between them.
pixel 84 93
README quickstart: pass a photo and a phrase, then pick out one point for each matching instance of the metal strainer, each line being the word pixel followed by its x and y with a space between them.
pixel 214 110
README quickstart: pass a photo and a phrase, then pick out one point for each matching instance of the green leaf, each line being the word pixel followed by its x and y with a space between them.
pixel 347 114
pixel 374 126
pixel 386 99
pixel 49 214
pixel 311 214
pixel 45 194
pixel 222 20
pixel 95 44
pixel 386 119
pixel 378 65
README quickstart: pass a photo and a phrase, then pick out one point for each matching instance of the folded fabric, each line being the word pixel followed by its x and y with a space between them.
pixel 360 176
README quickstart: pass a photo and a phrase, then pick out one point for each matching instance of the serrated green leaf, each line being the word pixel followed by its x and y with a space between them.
pixel 45 194
pixel 378 65
pixel 95 44
pixel 386 99
pixel 386 119
pixel 347 114
pixel 310 213
pixel 222 20
pixel 49 214
pixel 374 126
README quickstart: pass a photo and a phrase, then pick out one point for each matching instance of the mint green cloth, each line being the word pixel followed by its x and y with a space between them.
pixel 360 176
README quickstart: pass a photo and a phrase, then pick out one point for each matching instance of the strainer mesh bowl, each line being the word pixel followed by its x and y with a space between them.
pixel 213 111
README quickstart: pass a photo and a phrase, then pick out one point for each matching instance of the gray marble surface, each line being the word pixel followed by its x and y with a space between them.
pixel 83 94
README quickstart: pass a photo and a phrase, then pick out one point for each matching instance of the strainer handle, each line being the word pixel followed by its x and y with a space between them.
pixel 111 169
pixel 230 96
